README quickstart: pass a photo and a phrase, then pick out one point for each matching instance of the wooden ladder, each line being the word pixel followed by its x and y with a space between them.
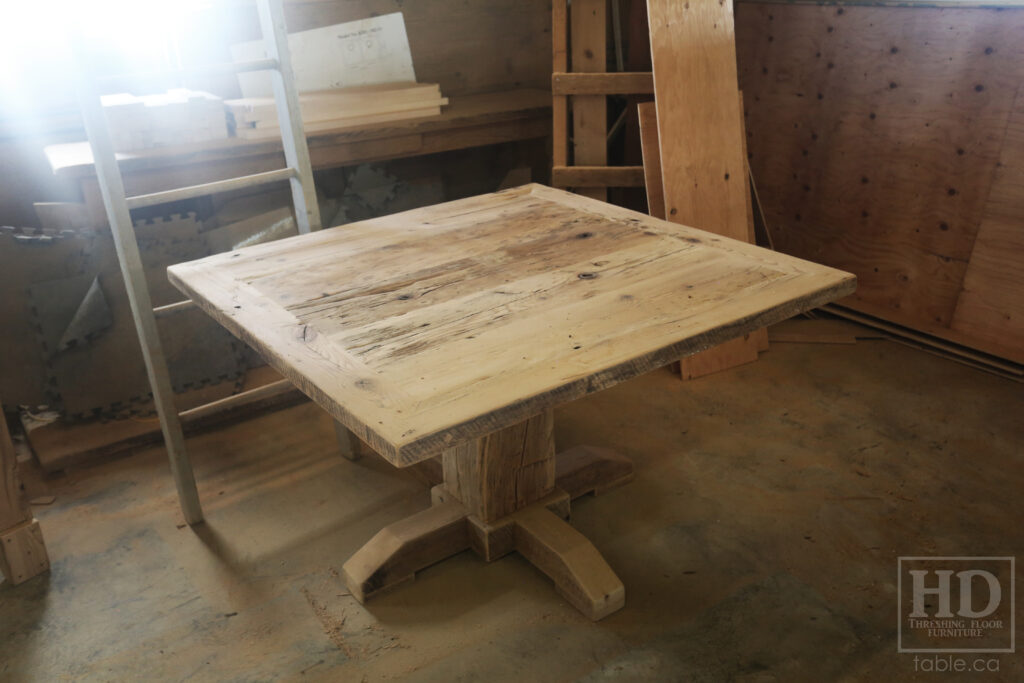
pixel 307 216
pixel 588 84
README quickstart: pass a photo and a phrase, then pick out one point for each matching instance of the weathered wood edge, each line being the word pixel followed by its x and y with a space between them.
pixel 430 445
pixel 360 428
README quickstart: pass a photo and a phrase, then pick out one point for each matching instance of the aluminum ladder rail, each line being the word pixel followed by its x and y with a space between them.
pixel 298 172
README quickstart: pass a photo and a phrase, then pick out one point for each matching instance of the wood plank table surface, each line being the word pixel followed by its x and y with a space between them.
pixel 467 121
pixel 454 330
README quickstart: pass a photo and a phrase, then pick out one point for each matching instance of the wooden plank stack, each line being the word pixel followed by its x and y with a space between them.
pixel 256 117
pixel 174 118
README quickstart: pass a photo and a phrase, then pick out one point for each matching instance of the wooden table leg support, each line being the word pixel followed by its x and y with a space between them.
pixel 506 492
pixel 588 469
pixel 348 443
pixel 579 571
pixel 401 549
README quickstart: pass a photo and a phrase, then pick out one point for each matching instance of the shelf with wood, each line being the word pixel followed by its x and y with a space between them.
pixel 468 121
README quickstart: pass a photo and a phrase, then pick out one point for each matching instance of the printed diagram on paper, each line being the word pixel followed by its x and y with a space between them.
pixel 363 52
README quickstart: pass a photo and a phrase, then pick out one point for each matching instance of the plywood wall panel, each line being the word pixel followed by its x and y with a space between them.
pixel 992 301
pixel 874 134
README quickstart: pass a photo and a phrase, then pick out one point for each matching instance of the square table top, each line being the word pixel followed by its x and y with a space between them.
pixel 426 328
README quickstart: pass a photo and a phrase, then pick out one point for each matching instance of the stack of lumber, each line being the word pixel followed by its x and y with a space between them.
pixel 176 117
pixel 365 105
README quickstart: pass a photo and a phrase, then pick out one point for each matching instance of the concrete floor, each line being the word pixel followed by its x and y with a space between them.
pixel 757 543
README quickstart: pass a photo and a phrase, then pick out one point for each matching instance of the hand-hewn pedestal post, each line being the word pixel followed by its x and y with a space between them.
pixel 502 493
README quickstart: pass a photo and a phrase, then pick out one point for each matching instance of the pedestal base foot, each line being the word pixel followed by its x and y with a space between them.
pixel 538 531
pixel 580 573
pixel 589 469
pixel 401 549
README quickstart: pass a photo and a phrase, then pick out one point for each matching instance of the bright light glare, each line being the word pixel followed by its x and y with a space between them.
pixel 37 38
pixel 143 30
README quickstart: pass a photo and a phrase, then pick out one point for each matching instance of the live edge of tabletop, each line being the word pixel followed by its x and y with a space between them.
pixel 455 329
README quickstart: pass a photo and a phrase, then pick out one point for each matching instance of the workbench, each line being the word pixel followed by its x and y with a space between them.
pixel 467 121
pixel 454 330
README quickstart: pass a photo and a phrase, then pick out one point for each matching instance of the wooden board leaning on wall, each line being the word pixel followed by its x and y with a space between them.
pixel 704 176
pixel 890 142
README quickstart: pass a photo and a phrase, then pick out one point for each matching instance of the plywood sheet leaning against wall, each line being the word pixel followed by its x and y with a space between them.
pixel 991 303
pixel 699 123
pixel 876 133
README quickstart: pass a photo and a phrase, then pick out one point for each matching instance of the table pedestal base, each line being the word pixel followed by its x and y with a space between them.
pixel 538 531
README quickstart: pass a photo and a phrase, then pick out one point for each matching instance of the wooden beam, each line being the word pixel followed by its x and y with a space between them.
pixel 631 83
pixel 23 553
pixel 597 176
pixel 237 403
pixel 560 62
pixel 652 159
pixel 503 472
pixel 401 549
pixel 589 112
pixel 579 571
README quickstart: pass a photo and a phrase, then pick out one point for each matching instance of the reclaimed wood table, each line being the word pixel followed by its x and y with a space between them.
pixel 454 330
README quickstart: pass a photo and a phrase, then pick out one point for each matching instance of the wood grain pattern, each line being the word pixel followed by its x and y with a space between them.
pixel 704 172
pixel 560 62
pixel 424 329
pixel 580 574
pixel 23 553
pixel 625 83
pixel 597 176
pixel 399 550
pixel 502 472
pixel 695 85
pixel 652 159
pixel 875 135
pixel 991 303
pixel 587 24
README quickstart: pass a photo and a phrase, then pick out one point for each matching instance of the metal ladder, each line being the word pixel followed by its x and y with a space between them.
pixel 307 215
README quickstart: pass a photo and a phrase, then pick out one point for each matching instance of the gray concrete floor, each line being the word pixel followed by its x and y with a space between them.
pixel 757 543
